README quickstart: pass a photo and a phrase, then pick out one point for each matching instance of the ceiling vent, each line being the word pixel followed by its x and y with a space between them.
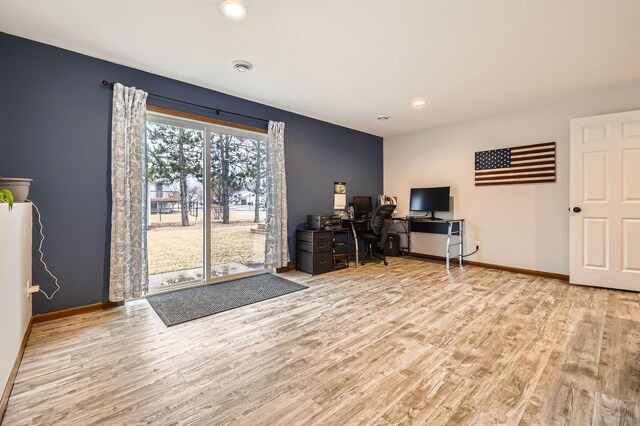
pixel 242 66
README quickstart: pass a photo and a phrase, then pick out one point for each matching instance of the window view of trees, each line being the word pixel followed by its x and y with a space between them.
pixel 175 156
pixel 236 164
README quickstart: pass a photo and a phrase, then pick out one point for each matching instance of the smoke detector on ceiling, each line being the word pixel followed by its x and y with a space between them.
pixel 383 117
pixel 242 66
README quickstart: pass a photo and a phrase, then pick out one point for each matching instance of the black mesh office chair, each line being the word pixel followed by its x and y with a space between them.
pixel 378 233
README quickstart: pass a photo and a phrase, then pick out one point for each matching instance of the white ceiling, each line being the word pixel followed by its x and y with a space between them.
pixel 349 61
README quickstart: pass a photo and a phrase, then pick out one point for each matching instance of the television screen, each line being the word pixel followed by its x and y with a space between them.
pixel 362 204
pixel 430 199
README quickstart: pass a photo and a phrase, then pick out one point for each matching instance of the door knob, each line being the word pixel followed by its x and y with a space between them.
pixel 577 209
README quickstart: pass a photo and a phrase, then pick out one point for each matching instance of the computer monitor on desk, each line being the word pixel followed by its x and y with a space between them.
pixel 430 200
pixel 362 206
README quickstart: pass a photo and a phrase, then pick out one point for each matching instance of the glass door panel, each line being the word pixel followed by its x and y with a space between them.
pixel 237 202
pixel 175 203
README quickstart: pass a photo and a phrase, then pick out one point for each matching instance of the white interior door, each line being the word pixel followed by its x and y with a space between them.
pixel 605 201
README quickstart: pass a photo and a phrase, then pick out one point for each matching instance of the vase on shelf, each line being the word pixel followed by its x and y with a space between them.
pixel 19 187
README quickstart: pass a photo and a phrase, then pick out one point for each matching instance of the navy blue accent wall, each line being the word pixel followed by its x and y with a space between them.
pixel 55 128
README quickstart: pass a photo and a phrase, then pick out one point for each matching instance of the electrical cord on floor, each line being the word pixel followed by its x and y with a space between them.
pixel 46 268
pixel 469 254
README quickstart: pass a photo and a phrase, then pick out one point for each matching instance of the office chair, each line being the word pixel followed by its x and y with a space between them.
pixel 378 233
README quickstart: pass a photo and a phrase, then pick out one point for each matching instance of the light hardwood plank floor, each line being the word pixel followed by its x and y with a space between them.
pixel 403 344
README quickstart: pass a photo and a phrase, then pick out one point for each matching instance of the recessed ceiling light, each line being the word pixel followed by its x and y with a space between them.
pixel 242 66
pixel 234 9
pixel 383 117
pixel 419 102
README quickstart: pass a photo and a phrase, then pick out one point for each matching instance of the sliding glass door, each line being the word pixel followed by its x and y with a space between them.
pixel 237 202
pixel 175 154
pixel 206 205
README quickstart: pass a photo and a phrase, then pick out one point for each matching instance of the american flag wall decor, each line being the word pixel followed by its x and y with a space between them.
pixel 521 164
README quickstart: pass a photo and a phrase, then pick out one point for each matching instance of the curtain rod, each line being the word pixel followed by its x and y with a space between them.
pixel 217 110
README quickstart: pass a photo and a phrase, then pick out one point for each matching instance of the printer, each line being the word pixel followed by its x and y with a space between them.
pixel 324 221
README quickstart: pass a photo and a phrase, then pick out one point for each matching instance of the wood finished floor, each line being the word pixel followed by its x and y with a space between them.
pixel 403 344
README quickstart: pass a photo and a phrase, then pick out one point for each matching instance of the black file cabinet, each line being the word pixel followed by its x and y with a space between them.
pixel 315 251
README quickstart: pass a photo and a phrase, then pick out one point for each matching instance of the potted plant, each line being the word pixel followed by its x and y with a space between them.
pixel 19 187
pixel 6 197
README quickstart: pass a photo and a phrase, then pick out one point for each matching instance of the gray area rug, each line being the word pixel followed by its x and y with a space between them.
pixel 186 305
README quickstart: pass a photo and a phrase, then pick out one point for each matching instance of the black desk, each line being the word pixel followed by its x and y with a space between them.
pixel 448 227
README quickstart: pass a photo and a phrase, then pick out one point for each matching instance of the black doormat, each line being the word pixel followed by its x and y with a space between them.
pixel 186 305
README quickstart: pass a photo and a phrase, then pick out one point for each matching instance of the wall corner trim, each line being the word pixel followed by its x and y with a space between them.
pixel 49 316
pixel 534 272
pixel 544 274
pixel 14 371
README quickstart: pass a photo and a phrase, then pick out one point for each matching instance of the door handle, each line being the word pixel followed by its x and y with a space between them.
pixel 577 209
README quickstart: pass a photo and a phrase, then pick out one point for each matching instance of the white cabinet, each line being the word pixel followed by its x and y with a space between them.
pixel 15 276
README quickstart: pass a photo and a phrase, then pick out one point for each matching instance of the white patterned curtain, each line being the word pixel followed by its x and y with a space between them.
pixel 276 244
pixel 128 270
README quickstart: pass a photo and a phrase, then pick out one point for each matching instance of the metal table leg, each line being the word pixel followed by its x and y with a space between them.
pixel 355 241
pixel 448 254
pixel 461 229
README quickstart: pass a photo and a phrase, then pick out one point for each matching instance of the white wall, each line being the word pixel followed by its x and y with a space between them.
pixel 15 272
pixel 525 226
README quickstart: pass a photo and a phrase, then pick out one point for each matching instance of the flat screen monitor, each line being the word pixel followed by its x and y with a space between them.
pixel 430 200
pixel 362 205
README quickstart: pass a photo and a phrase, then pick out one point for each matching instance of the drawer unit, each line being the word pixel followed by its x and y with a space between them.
pixel 315 251
pixel 314 236
pixel 315 263
pixel 314 247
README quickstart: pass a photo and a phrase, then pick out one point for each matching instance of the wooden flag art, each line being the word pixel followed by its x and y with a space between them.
pixel 520 164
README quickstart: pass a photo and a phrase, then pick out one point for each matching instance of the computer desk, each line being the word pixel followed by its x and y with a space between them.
pixel 421 224
pixel 448 227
